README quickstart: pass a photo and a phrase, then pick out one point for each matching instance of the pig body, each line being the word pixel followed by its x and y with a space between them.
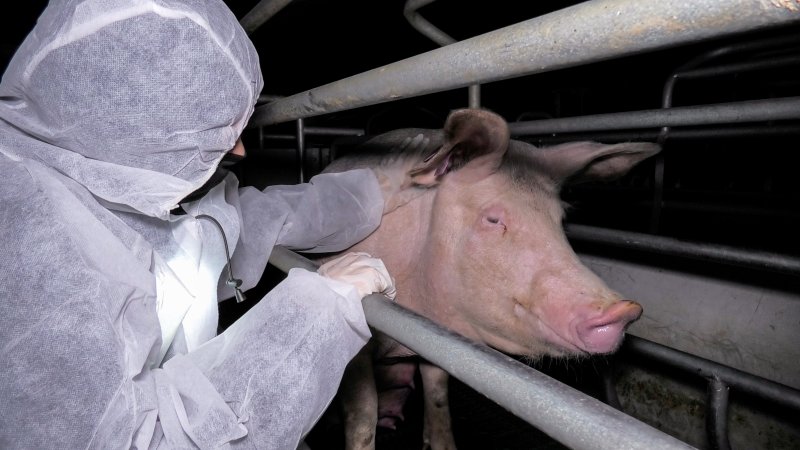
pixel 472 235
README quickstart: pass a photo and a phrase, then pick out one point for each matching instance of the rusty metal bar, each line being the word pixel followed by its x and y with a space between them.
pixel 588 32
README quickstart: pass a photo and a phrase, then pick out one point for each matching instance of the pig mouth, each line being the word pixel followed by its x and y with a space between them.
pixel 603 333
pixel 600 333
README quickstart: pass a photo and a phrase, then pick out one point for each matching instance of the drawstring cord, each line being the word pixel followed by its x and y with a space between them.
pixel 232 282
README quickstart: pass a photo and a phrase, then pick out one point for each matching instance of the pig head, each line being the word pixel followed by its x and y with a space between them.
pixel 472 234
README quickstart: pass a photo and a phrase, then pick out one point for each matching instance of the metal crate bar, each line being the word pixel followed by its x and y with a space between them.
pixel 787 108
pixel 720 379
pixel 717 414
pixel 679 133
pixel 440 37
pixel 261 13
pixel 588 32
pixel 564 413
pixel 676 247
pixel 736 379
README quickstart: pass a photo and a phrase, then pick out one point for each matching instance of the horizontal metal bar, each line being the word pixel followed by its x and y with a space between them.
pixel 679 133
pixel 260 13
pixel 675 247
pixel 736 379
pixel 740 67
pixel 724 113
pixel 709 208
pixel 317 131
pixel 564 413
pixel 591 31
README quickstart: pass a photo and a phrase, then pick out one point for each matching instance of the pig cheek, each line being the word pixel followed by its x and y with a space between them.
pixel 542 316
pixel 499 279
pixel 527 308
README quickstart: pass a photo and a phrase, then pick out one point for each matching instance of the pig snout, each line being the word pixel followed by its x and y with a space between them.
pixel 603 332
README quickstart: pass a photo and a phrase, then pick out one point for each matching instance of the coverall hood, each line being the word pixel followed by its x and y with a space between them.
pixel 137 101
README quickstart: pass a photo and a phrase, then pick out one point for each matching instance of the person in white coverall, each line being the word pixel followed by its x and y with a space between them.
pixel 114 118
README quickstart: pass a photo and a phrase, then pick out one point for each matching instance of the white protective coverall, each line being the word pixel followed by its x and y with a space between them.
pixel 111 112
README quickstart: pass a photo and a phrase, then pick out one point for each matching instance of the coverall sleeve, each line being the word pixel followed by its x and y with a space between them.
pixel 277 368
pixel 330 213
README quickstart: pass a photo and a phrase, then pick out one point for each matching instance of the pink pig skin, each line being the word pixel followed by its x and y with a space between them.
pixel 472 235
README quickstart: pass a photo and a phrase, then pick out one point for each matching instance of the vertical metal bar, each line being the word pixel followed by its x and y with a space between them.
pixel 717 414
pixel 658 188
pixel 658 175
pixel 474 96
pixel 609 385
pixel 686 71
pixel 301 149
pixel 440 37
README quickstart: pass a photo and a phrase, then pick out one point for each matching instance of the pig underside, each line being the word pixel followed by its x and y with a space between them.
pixel 472 236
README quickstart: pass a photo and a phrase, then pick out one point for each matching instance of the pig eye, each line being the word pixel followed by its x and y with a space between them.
pixel 494 221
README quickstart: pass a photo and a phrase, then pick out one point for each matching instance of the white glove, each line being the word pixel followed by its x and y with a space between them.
pixel 365 273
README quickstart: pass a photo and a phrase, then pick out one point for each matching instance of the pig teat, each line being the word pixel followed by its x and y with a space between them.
pixel 603 332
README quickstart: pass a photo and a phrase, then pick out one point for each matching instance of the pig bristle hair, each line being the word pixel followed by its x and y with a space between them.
pixel 386 150
pixel 524 171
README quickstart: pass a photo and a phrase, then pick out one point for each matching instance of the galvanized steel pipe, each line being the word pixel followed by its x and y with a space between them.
pixel 717 414
pixel 723 113
pixel 676 247
pixel 260 13
pixel 564 413
pixel 440 37
pixel 588 32
pixel 738 380
pixel 679 133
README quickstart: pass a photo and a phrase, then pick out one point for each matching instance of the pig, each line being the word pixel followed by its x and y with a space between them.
pixel 472 235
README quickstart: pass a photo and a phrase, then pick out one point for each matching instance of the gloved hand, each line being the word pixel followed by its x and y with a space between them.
pixel 359 269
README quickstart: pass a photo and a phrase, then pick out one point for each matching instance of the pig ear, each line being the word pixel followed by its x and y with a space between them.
pixel 475 142
pixel 578 162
